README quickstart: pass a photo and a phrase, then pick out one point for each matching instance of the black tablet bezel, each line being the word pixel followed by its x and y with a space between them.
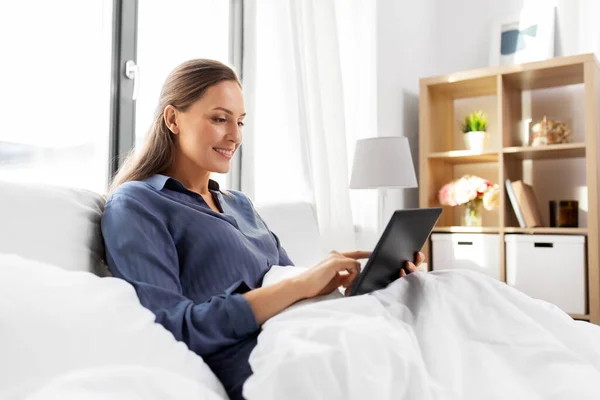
pixel 395 219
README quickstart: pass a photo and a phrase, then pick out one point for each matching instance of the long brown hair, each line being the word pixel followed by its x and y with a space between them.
pixel 185 84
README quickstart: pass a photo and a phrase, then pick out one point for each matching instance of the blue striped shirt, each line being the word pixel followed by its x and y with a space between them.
pixel 190 265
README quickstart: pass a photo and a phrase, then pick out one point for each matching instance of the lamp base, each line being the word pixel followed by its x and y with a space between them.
pixel 382 194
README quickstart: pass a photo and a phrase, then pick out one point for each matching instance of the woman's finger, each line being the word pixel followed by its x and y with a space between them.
pixel 402 273
pixel 348 280
pixel 411 267
pixel 357 254
pixel 353 272
pixel 347 291
pixel 419 258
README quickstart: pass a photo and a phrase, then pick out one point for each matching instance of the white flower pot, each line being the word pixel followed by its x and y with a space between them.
pixel 476 141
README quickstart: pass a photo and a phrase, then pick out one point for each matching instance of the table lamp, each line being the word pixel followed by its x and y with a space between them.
pixel 382 163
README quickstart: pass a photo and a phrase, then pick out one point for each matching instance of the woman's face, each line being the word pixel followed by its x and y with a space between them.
pixel 210 131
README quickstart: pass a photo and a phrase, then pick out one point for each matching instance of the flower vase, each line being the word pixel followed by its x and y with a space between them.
pixel 473 215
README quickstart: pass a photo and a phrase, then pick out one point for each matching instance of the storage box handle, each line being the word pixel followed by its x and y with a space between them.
pixel 465 243
pixel 543 244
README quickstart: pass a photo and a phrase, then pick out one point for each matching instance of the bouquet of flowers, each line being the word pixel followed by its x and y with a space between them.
pixel 470 190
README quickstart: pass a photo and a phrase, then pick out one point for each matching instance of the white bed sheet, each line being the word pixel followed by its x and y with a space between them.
pixel 442 335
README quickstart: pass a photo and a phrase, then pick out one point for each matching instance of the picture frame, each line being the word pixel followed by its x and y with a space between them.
pixel 524 38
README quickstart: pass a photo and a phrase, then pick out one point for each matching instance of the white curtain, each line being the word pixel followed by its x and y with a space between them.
pixel 303 89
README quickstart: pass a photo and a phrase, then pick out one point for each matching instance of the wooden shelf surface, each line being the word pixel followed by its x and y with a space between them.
pixel 458 86
pixel 465 229
pixel 465 157
pixel 584 317
pixel 549 230
pixel 558 71
pixel 510 229
pixel 551 75
pixel 552 151
pixel 555 151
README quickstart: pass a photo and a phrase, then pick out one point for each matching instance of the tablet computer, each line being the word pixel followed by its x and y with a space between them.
pixel 404 235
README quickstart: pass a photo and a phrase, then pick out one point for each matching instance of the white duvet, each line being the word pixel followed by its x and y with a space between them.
pixel 442 335
pixel 72 335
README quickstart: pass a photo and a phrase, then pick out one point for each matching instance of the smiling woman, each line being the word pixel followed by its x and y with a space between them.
pixel 195 256
pixel 192 131
pixel 207 133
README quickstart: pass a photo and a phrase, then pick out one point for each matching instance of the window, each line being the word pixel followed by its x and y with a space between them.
pixel 67 110
pixel 55 80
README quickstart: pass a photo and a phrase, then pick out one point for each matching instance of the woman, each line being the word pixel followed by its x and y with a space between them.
pixel 196 255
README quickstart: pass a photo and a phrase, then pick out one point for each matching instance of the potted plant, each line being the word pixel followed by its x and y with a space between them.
pixel 475 132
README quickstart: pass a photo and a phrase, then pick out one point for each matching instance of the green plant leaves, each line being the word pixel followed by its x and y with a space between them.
pixel 475 122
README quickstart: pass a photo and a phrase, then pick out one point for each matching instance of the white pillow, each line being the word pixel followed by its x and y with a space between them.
pixel 55 322
pixel 59 226
pixel 295 224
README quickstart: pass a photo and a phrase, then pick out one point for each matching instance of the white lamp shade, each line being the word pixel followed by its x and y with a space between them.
pixel 383 162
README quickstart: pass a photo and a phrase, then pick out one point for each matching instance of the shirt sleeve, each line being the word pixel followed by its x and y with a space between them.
pixel 140 249
pixel 284 260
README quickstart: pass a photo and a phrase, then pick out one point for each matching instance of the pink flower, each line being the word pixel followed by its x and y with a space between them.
pixel 465 189
pixel 469 188
pixel 480 184
pixel 446 195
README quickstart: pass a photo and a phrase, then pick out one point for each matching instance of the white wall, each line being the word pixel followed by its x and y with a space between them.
pixel 405 53
pixel 432 37
pixel 464 29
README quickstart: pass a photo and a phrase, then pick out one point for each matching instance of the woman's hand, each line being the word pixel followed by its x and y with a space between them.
pixel 335 270
pixel 412 267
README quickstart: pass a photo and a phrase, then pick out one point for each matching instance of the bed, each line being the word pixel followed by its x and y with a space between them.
pixel 66 332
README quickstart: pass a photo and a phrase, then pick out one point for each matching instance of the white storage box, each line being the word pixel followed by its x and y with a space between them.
pixel 474 251
pixel 548 267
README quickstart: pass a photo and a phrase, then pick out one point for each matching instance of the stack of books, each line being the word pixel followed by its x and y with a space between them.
pixel 524 204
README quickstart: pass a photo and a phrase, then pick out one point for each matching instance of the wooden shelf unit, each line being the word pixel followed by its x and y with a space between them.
pixel 441 157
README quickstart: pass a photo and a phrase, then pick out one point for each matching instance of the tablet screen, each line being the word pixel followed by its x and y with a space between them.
pixel 405 235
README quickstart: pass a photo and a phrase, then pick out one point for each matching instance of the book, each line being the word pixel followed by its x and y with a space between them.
pixel 514 203
pixel 527 204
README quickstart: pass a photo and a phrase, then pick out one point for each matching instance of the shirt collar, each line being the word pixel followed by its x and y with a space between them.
pixel 159 181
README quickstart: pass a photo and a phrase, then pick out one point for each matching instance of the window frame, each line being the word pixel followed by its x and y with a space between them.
pixel 122 109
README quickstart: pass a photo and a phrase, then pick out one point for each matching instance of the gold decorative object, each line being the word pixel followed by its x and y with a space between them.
pixel 550 132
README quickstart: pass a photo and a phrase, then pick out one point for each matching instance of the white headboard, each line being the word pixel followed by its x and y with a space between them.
pixel 295 224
